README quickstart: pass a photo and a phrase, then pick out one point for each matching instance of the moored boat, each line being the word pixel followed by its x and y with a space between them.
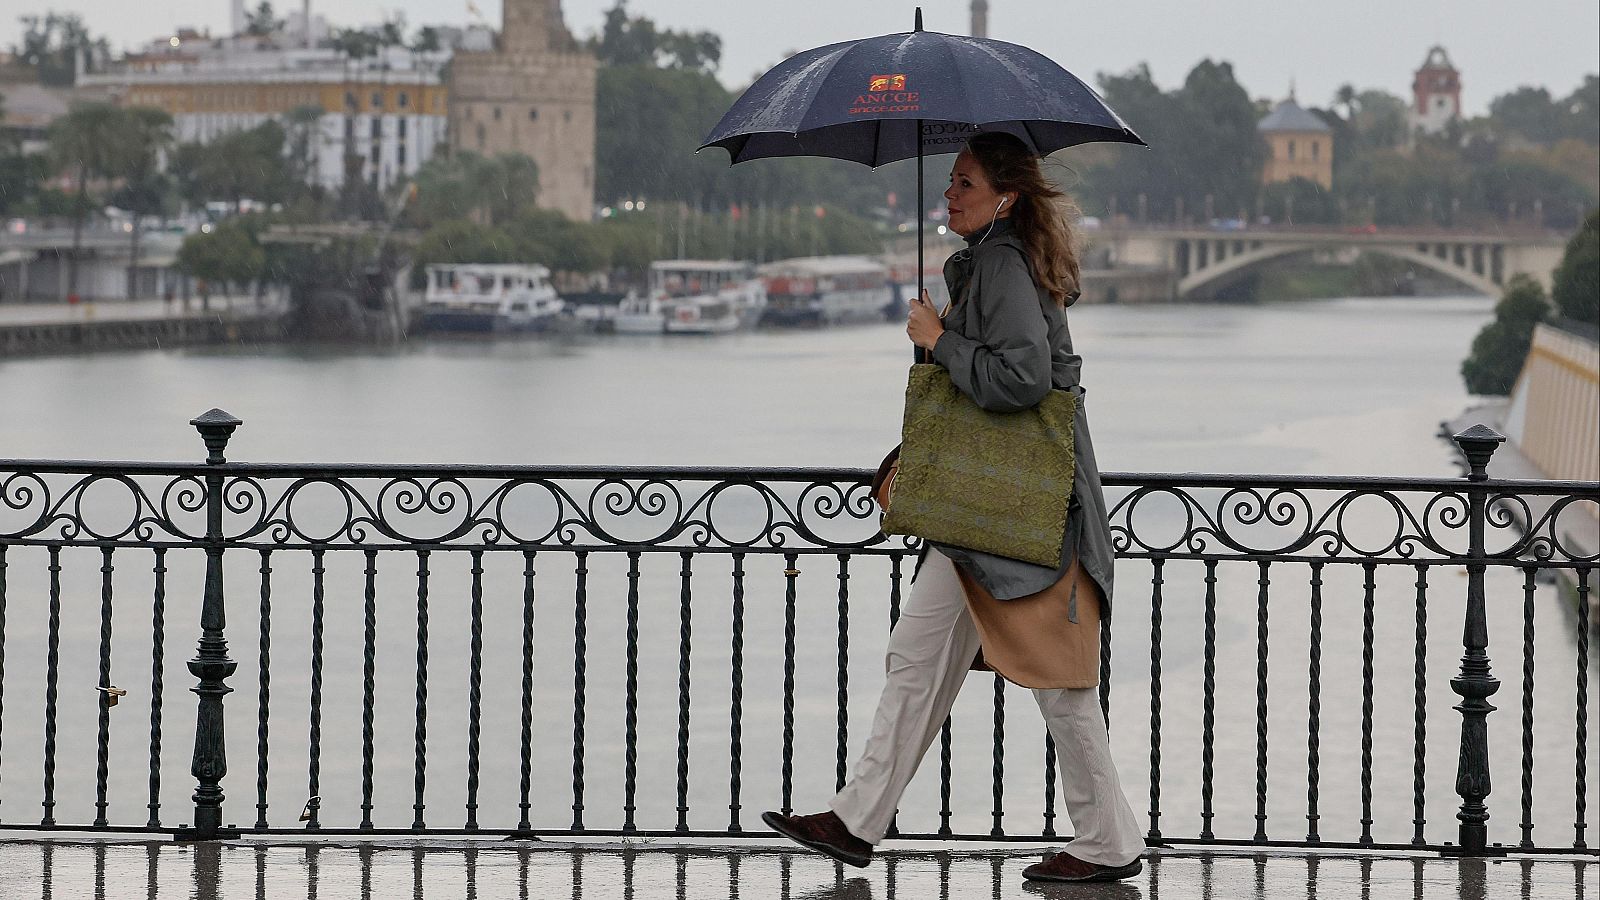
pixel 826 290
pixel 702 296
pixel 487 297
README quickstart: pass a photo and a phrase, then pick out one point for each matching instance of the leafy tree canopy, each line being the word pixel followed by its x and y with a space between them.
pixel 627 40
pixel 1576 289
pixel 53 43
pixel 1501 347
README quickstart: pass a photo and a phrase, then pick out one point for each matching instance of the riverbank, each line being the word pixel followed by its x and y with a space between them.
pixel 40 329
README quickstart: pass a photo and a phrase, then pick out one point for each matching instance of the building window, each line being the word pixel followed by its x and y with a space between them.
pixel 350 99
pixel 400 127
pixel 497 113
pixel 1291 151
pixel 400 155
pixel 377 128
pixel 1316 150
pixel 377 100
pixel 533 114
pixel 401 100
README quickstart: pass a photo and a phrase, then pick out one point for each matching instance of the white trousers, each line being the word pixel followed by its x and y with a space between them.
pixel 930 651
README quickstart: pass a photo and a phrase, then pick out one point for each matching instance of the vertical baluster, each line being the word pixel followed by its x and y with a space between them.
pixel 686 574
pixel 314 762
pixel 791 573
pixel 944 743
pixel 1581 814
pixel 102 766
pixel 1209 702
pixel 630 775
pixel 1261 700
pixel 474 689
pixel 369 684
pixel 1474 683
pixel 525 784
pixel 1105 669
pixel 1155 698
pixel 3 643
pixel 1314 707
pixel 736 697
pixel 999 765
pixel 945 777
pixel 52 671
pixel 1367 608
pixel 842 715
pixel 1528 575
pixel 580 653
pixel 263 687
pixel 1419 771
pixel 419 765
pixel 1049 829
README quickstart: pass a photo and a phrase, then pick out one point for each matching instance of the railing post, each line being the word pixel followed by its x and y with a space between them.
pixel 211 664
pixel 1474 683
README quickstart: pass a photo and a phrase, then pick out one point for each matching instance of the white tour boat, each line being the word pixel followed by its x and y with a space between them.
pixel 826 290
pixel 704 296
pixel 488 297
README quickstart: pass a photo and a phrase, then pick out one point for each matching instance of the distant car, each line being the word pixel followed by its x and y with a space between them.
pixel 1369 228
pixel 16 226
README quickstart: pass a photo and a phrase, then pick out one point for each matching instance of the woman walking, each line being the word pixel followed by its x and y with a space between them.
pixel 1005 344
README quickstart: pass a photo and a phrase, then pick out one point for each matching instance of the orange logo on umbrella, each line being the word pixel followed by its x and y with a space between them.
pixel 886 83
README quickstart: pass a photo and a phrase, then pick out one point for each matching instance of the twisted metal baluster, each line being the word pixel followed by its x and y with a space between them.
pixel 944 743
pixel 102 767
pixel 158 640
pixel 945 776
pixel 1105 669
pixel 1528 574
pixel 419 765
pixel 580 676
pixel 736 697
pixel 1314 707
pixel 474 690
pixel 999 764
pixel 791 572
pixel 842 715
pixel 525 784
pixel 1367 609
pixel 314 781
pixel 52 671
pixel 1580 818
pixel 1155 698
pixel 630 775
pixel 1049 829
pixel 1263 584
pixel 686 574
pixel 1209 702
pixel 369 659
pixel 1419 771
pixel 263 687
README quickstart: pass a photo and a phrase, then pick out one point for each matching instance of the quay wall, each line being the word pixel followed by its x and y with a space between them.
pixel 1554 416
pixel 34 339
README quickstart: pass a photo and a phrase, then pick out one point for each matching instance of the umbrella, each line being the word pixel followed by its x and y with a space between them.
pixel 898 96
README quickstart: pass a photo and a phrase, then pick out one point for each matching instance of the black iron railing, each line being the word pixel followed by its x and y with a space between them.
pixel 502 644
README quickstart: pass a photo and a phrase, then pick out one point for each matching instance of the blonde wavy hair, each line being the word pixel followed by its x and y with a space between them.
pixel 1043 213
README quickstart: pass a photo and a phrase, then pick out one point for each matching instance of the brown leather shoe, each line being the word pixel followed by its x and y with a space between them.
pixel 1066 867
pixel 824 832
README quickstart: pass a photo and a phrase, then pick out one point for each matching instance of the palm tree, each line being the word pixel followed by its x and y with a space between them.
pixel 88 141
pixel 146 137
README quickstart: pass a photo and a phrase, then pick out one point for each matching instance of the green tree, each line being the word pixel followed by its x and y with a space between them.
pixel 88 142
pixel 635 40
pixel 53 45
pixel 466 185
pixel 262 21
pixel 145 189
pixel 228 255
pixel 1529 112
pixel 1299 201
pixel 1499 350
pixel 1576 287
pixel 235 166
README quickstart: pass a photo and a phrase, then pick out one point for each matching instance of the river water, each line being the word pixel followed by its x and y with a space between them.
pixel 1349 386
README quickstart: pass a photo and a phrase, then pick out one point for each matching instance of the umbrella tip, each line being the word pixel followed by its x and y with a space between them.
pixel 919 20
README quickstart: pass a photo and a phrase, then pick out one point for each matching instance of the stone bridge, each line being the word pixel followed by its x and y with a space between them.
pixel 1202 260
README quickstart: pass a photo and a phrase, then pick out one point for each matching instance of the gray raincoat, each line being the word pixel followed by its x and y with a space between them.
pixel 1006 345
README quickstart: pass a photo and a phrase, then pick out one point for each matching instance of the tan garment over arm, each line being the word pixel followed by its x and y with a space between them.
pixel 1030 641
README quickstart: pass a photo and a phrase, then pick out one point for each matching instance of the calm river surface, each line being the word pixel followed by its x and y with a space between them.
pixel 1354 386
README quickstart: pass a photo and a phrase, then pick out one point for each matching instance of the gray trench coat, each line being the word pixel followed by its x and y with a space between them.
pixel 1006 345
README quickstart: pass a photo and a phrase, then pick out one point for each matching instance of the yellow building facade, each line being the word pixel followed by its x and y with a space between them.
pixel 1300 145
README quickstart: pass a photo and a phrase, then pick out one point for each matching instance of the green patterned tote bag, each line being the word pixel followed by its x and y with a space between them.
pixel 988 481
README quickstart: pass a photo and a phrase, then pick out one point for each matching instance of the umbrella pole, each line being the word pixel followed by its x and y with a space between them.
pixel 922 215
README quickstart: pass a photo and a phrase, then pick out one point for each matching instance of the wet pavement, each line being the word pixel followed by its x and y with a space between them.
pixel 436 870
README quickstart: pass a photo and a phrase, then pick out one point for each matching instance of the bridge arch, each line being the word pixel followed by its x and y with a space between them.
pixel 1236 265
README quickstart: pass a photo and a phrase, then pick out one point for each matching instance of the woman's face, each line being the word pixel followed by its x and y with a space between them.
pixel 973 201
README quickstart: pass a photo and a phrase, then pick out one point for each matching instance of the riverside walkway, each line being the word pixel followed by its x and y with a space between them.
pixel 32 328
pixel 443 870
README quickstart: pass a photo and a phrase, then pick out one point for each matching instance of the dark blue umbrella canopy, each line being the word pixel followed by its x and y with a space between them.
pixel 866 101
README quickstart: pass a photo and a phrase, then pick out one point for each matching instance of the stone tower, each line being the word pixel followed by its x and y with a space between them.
pixel 534 94
pixel 1436 93
pixel 980 18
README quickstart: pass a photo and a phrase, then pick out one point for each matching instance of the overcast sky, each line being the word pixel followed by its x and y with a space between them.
pixel 1498 46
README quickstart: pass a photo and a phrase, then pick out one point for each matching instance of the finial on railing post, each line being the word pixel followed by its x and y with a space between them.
pixel 211 663
pixel 1474 683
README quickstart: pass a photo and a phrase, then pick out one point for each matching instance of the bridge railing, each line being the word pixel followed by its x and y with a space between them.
pixel 648 651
